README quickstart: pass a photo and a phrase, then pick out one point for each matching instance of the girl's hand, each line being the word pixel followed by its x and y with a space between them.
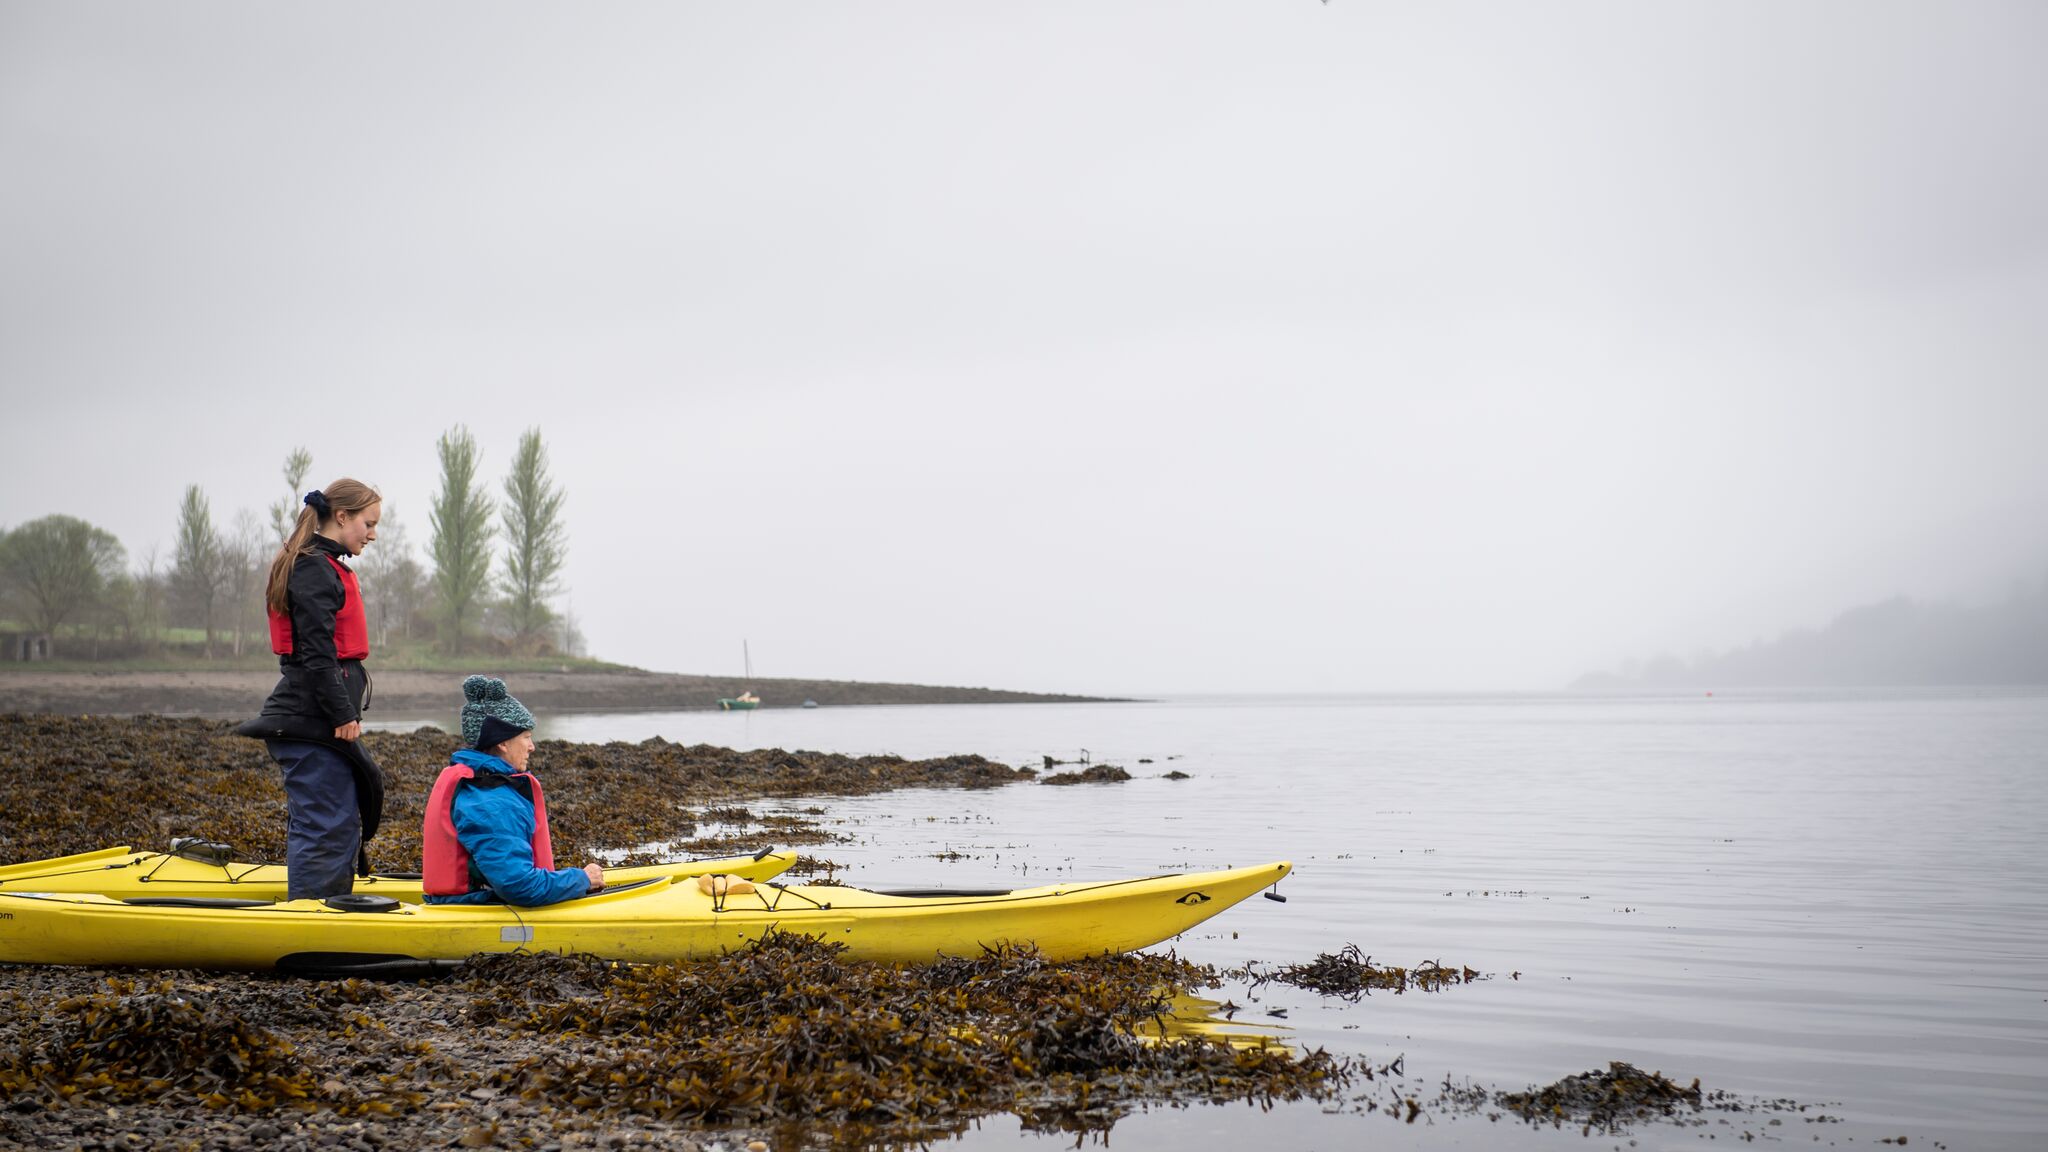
pixel 349 731
pixel 596 875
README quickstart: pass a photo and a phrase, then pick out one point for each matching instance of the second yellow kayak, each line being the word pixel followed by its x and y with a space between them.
pixel 124 874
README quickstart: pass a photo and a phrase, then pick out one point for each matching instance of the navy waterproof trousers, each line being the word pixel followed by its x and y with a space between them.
pixel 325 827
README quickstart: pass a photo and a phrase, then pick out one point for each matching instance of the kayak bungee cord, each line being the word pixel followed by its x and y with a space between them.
pixel 522 935
pixel 154 862
pixel 232 876
pixel 74 871
pixel 719 897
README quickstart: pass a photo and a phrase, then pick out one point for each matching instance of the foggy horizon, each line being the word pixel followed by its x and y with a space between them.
pixel 1112 349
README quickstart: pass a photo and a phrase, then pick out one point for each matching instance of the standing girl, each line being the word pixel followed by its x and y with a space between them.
pixel 313 721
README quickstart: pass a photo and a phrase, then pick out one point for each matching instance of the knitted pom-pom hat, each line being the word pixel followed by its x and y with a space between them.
pixel 490 714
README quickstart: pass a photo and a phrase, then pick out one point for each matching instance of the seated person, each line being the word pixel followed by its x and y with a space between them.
pixel 486 836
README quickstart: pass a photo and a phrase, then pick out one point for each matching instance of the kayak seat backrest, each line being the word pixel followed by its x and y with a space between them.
pixel 196 902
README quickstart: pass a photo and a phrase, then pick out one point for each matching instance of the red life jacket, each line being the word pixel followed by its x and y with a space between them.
pixel 351 623
pixel 444 866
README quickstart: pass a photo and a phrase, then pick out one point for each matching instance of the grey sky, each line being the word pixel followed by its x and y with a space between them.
pixel 1103 347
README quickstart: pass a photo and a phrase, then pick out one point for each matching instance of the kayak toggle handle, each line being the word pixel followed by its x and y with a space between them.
pixel 764 853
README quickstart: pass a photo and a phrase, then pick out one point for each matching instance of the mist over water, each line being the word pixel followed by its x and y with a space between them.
pixel 1836 897
pixel 1147 346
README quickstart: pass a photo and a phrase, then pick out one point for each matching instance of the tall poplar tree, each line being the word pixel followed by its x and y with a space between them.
pixel 536 543
pixel 199 568
pixel 461 520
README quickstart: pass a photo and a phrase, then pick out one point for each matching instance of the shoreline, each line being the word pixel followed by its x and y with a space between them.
pixel 560 1051
pixel 566 1052
pixel 238 693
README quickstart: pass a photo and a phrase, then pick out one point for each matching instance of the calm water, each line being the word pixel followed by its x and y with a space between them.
pixel 1837 898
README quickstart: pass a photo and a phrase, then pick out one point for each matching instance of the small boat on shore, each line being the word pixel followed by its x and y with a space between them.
pixel 746 701
pixel 199 869
pixel 654 921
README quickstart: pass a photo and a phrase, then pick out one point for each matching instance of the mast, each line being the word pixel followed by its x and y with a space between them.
pixel 749 658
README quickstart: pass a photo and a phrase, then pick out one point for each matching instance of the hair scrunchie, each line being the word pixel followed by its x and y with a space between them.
pixel 317 500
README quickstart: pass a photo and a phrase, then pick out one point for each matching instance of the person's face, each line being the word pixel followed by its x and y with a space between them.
pixel 353 530
pixel 516 751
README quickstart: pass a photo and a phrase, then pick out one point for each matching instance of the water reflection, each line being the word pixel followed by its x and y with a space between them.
pixel 1198 1017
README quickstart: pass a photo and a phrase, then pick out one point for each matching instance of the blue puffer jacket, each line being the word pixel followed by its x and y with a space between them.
pixel 495 826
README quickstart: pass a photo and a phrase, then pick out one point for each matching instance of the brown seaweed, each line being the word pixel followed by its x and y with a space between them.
pixel 1350 973
pixel 790 1028
pixel 787 1034
pixel 1098 774
pixel 71 784
pixel 1603 1100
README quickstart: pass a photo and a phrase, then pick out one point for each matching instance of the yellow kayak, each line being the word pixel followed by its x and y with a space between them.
pixel 658 920
pixel 208 870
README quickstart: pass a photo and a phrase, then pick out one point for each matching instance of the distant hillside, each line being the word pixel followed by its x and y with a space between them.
pixel 239 692
pixel 1899 642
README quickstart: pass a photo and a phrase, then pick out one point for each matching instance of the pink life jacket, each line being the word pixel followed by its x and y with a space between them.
pixel 444 866
pixel 351 623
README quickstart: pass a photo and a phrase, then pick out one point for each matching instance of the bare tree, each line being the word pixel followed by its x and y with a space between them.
pixel 58 566
pixel 113 611
pixel 461 519
pixel 6 589
pixel 536 543
pixel 198 571
pixel 391 579
pixel 152 592
pixel 285 512
pixel 571 642
pixel 242 568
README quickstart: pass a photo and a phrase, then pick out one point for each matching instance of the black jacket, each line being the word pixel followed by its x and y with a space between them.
pixel 314 684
